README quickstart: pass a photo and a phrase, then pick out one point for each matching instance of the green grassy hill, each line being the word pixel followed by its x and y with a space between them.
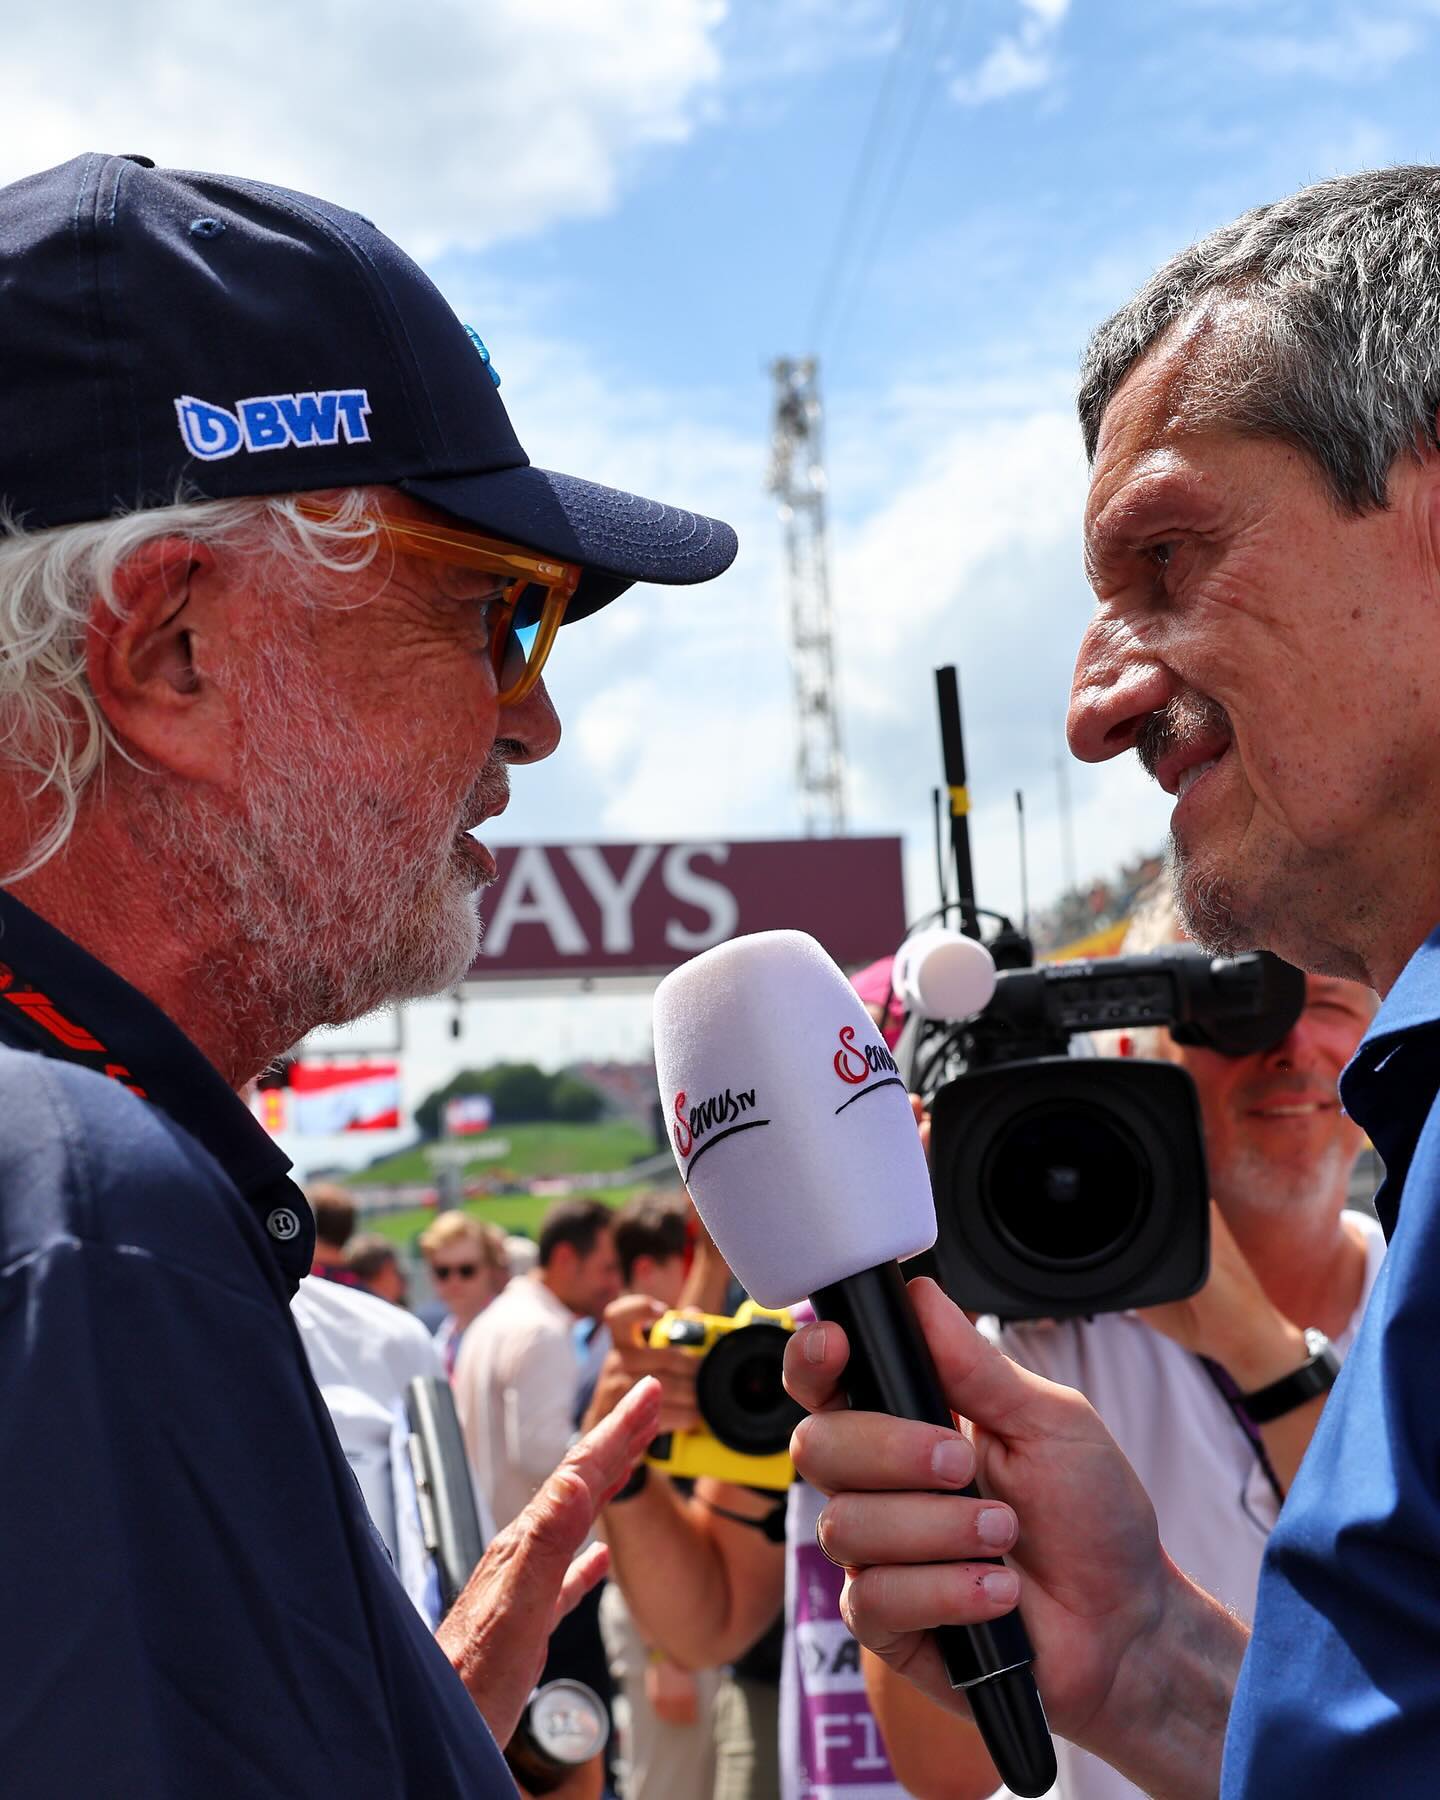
pixel 534 1150
pixel 511 1212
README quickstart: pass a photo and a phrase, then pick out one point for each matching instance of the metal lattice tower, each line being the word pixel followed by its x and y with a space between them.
pixel 797 479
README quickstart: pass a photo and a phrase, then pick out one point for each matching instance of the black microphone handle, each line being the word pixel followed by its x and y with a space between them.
pixel 891 1371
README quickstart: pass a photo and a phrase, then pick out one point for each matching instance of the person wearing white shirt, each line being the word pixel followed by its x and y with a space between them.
pixel 515 1379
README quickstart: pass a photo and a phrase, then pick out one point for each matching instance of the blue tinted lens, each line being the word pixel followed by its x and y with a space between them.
pixel 529 607
pixel 524 635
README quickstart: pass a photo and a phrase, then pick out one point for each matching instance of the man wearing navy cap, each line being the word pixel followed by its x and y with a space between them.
pixel 1263 538
pixel 276 586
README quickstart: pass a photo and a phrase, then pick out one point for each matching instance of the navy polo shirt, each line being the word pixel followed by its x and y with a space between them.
pixel 1339 1694
pixel 194 1601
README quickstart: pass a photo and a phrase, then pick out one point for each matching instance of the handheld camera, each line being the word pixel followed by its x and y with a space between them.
pixel 746 1415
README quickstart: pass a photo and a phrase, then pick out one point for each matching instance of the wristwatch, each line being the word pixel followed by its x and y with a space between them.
pixel 1317 1376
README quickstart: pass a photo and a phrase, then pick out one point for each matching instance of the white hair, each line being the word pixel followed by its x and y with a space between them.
pixel 52 729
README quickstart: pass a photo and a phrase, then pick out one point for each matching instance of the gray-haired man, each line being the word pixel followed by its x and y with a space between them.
pixel 1263 537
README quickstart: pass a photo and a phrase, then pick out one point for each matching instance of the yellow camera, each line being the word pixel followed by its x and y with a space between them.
pixel 746 1415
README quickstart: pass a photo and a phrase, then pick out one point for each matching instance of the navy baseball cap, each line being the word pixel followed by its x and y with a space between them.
pixel 166 333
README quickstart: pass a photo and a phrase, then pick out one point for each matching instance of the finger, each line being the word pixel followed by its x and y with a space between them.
pixel 861 1529
pixel 840 1451
pixel 677 1416
pixel 631 1315
pixel 640 1359
pixel 814 1360
pixel 588 1568
pixel 604 1457
pixel 884 1603
pixel 979 1381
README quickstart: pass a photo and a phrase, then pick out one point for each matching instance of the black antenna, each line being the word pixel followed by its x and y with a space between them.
pixel 952 750
pixel 1024 870
pixel 941 880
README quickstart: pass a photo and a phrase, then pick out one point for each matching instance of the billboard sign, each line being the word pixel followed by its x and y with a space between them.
pixel 330 1097
pixel 642 909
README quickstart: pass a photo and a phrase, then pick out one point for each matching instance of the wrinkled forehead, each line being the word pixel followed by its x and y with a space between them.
pixel 1174 390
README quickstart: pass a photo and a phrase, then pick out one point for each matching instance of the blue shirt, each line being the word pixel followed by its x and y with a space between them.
pixel 1339 1694
pixel 194 1601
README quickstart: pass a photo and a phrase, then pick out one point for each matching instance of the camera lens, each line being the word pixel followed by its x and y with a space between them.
pixel 1066 1186
pixel 741 1396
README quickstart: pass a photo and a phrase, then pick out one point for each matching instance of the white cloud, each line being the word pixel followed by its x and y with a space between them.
pixel 1356 49
pixel 447 123
pixel 1020 62
pixel 956 538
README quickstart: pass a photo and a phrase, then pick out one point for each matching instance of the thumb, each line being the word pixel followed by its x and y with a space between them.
pixel 980 1382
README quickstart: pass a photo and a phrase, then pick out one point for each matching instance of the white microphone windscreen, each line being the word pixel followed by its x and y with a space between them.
pixel 789 1121
pixel 941 974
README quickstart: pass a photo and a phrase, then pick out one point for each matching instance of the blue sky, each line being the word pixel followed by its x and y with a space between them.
pixel 638 203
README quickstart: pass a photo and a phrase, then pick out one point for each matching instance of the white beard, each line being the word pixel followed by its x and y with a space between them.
pixel 330 909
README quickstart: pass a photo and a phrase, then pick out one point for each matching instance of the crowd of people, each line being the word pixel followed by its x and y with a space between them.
pixel 718 1642
pixel 265 665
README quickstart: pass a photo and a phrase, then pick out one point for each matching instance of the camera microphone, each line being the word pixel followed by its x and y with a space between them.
pixel 793 1131
pixel 942 974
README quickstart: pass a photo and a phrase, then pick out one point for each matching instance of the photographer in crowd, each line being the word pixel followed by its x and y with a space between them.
pixel 665 1719
pixel 1168 1381
pixel 264 665
pixel 1262 539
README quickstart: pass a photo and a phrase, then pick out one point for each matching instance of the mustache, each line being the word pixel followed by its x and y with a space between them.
pixel 490 792
pixel 1184 719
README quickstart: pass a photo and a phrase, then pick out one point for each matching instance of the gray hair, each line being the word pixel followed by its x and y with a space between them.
pixel 51 728
pixel 1336 345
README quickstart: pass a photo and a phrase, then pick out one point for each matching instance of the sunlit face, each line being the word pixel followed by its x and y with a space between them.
pixel 368 743
pixel 1277 663
pixel 587 1284
pixel 464 1278
pixel 1275 1136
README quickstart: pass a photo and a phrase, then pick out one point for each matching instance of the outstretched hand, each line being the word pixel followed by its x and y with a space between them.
pixel 528 1579
pixel 1100 1598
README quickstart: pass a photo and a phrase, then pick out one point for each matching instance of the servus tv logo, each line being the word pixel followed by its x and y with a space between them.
pixel 858 1065
pixel 721 1115
pixel 273 422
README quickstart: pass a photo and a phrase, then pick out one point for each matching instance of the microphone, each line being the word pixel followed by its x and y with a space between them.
pixel 941 974
pixel 794 1134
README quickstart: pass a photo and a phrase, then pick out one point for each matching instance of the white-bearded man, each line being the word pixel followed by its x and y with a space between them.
pixel 276 586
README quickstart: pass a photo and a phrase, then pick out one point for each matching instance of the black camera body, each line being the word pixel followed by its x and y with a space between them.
pixel 1065 1185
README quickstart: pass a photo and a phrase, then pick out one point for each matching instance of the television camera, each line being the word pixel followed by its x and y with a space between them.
pixel 1068 1183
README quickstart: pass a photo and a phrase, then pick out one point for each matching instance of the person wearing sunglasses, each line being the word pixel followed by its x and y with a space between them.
pixel 278 586
pixel 469 1265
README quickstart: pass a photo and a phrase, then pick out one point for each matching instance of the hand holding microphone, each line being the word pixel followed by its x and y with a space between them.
pixel 799 1148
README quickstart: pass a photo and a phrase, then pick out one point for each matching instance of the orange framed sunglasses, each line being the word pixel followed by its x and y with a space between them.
pixel 529 611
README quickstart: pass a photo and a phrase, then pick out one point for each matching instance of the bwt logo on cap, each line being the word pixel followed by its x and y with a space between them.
pixel 273 422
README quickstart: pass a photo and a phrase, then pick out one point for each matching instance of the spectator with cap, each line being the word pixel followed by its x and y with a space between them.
pixel 277 585
pixel 469 1265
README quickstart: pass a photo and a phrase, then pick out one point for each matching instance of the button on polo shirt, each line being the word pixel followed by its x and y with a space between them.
pixel 195 1601
pixel 1339 1694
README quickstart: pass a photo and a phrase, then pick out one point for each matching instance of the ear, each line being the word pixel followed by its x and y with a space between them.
pixel 152 665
